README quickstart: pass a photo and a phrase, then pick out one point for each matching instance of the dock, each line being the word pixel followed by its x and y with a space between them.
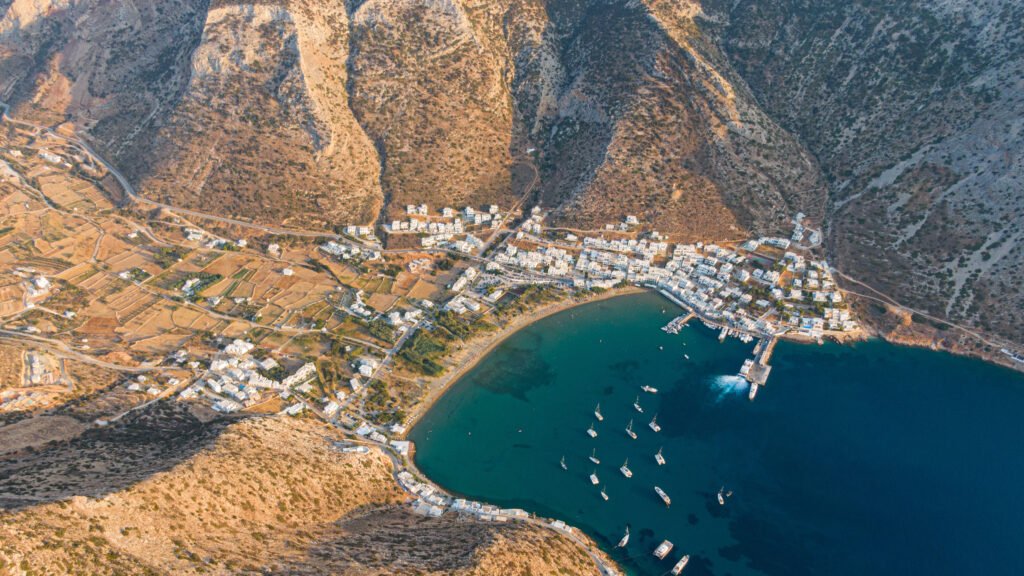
pixel 759 371
pixel 677 323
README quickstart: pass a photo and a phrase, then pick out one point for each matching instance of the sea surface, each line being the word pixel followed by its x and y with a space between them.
pixel 859 459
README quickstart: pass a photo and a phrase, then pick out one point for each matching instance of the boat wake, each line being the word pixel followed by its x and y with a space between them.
pixel 728 386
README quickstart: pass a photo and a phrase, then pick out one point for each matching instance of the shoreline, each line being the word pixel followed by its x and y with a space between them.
pixel 476 349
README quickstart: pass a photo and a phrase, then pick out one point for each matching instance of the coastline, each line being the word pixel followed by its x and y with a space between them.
pixel 475 349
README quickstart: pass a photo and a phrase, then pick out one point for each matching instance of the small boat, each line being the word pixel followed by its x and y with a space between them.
pixel 636 404
pixel 753 391
pixel 654 424
pixel 604 494
pixel 593 477
pixel 650 389
pixel 591 432
pixel 625 469
pixel 659 458
pixel 625 539
pixel 629 430
pixel 597 413
pixel 721 496
pixel 564 467
pixel 593 456
pixel 687 356
pixel 662 550
pixel 664 497
pixel 678 568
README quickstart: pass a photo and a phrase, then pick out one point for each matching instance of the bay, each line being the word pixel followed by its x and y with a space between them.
pixel 856 459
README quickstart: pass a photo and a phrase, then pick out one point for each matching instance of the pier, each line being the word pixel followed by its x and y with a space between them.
pixel 677 323
pixel 758 373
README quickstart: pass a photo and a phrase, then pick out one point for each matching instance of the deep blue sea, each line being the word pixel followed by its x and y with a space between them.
pixel 861 459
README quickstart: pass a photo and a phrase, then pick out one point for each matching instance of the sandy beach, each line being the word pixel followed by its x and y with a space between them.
pixel 472 351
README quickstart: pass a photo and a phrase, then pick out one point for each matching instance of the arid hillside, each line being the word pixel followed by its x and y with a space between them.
pixel 914 111
pixel 258 495
pixel 323 114
pixel 896 126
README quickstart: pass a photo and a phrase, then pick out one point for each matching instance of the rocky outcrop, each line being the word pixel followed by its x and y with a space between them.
pixel 913 111
pixel 897 126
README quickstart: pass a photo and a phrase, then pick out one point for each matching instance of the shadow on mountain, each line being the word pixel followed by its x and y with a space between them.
pixel 396 541
pixel 103 460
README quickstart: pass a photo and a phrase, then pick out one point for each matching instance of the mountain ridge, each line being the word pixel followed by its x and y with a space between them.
pixel 897 130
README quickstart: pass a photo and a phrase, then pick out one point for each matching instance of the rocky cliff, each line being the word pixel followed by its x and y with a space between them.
pixel 915 113
pixel 896 125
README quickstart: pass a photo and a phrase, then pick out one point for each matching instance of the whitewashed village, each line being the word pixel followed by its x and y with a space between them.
pixel 765 289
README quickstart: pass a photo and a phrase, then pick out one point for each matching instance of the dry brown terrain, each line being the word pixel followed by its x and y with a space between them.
pixel 708 119
pixel 262 494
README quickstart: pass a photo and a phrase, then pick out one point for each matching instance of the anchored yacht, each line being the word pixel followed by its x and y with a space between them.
pixel 678 568
pixel 664 497
pixel 654 424
pixel 625 539
pixel 625 469
pixel 629 430
pixel 662 550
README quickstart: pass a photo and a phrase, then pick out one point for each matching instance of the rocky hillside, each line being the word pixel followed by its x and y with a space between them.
pixel 915 113
pixel 320 113
pixel 255 496
pixel 241 107
pixel 898 126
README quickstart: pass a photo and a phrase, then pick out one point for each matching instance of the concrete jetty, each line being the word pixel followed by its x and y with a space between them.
pixel 758 373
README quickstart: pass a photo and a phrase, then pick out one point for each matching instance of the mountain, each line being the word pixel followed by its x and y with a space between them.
pixel 915 112
pixel 173 490
pixel 897 126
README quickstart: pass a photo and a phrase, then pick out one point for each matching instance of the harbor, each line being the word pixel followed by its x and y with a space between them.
pixel 501 432
pixel 755 371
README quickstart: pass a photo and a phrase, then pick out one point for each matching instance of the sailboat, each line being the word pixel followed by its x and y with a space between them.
pixel 593 477
pixel 664 497
pixel 625 539
pixel 591 431
pixel 654 424
pixel 625 469
pixel 636 404
pixel 597 413
pixel 593 456
pixel 659 458
pixel 604 494
pixel 564 467
pixel 629 430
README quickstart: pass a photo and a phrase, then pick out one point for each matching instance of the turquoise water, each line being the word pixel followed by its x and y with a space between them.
pixel 865 459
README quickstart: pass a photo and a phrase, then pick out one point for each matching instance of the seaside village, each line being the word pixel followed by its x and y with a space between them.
pixel 478 263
